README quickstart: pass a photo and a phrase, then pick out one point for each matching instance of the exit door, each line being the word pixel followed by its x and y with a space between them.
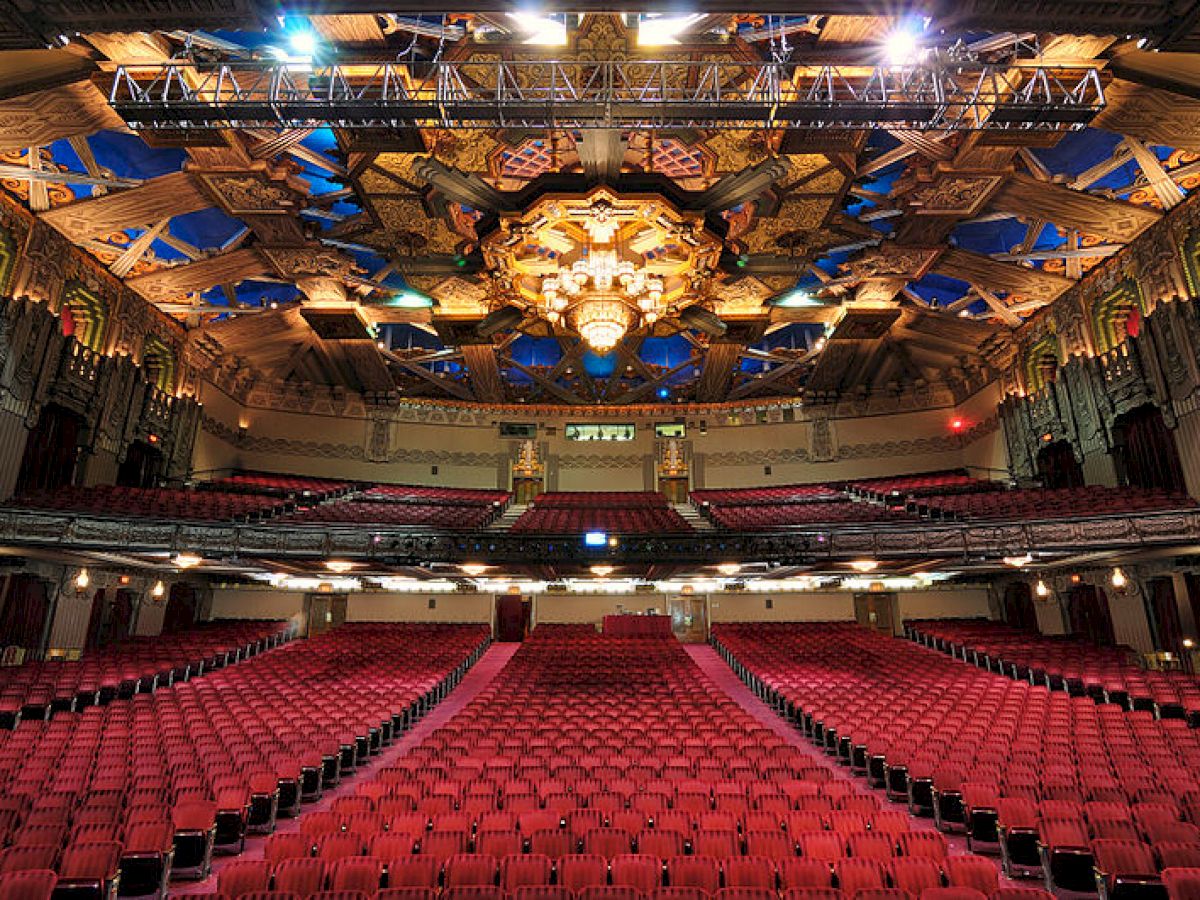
pixel 324 612
pixel 876 611
pixel 689 619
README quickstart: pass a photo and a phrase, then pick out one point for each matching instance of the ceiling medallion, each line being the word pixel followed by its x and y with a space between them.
pixel 601 264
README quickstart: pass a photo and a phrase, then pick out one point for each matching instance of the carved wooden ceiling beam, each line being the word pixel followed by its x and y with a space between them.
pixel 1114 219
pixel 716 375
pixel 974 268
pixel 484 372
pixel 196 277
pixel 164 197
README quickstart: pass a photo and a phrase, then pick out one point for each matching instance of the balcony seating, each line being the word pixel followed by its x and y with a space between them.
pixel 1087 795
pixel 157 783
pixel 765 518
pixel 155 503
pixel 1059 503
pixel 1107 674
pixel 38 689
pixel 952 482
pixel 394 515
pixel 403 493
pixel 285 485
pixel 795 493
pixel 613 512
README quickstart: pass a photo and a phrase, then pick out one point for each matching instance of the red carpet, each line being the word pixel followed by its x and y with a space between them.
pixel 493 660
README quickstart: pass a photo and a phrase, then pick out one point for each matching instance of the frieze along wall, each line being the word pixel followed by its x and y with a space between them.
pixel 432 444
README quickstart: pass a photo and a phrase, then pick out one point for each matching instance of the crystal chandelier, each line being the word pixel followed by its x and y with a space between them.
pixel 599 293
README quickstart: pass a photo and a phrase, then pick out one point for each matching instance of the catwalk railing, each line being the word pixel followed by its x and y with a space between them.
pixel 965 540
pixel 641 94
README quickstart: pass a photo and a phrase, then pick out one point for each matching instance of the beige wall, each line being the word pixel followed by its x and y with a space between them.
pixel 373 606
pixel 467 450
pixel 817 606
pixel 950 603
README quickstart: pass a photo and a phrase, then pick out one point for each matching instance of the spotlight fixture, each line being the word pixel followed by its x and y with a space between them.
pixel 864 565
pixel 602 570
pixel 903 47
pixel 1019 562
pixel 1117 579
pixel 82 580
pixel 1041 589
pixel 187 560
pixel 474 570
pixel 729 569
pixel 339 566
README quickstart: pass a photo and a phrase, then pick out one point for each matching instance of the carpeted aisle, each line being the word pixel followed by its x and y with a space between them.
pixel 482 674
pixel 715 668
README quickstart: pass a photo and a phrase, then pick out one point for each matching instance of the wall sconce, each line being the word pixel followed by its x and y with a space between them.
pixel 158 591
pixel 1117 579
pixel 82 580
pixel 1041 589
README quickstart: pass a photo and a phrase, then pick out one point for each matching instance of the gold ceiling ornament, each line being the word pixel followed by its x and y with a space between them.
pixel 600 263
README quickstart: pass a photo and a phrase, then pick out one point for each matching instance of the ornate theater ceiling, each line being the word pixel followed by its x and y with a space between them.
pixel 503 262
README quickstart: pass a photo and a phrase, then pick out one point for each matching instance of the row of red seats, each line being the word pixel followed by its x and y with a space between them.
pixel 1063 663
pixel 920 485
pixel 700 876
pixel 1056 503
pixel 155 503
pixel 171 776
pixel 762 518
pixel 793 493
pixel 601 500
pixel 405 493
pixel 428 515
pixel 599 762
pixel 954 742
pixel 268 483
pixel 612 520
pixel 37 689
pixel 624 892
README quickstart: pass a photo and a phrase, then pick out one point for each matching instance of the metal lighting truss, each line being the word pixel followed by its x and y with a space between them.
pixel 624 94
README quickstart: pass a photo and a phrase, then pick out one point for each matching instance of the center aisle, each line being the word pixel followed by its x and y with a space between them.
pixel 711 664
pixel 480 676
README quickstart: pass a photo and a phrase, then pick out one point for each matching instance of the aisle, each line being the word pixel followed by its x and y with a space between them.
pixel 723 677
pixel 482 674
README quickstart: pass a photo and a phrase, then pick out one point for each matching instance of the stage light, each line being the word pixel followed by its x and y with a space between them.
pixel 903 47
pixel 729 569
pixel 302 42
pixel 602 570
pixel 595 539
pixel 864 565
pixel 339 566
pixel 664 393
pixel 543 31
pixel 657 31
pixel 473 569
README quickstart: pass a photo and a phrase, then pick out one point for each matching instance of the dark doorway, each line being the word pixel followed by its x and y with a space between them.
pixel 1168 633
pixel 512 618
pixel 23 618
pixel 1144 451
pixel 1087 611
pixel 1019 610
pixel 142 466
pixel 181 608
pixel 51 451
pixel 1057 466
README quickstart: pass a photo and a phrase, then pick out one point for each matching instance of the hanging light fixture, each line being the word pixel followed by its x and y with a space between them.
pixel 602 321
